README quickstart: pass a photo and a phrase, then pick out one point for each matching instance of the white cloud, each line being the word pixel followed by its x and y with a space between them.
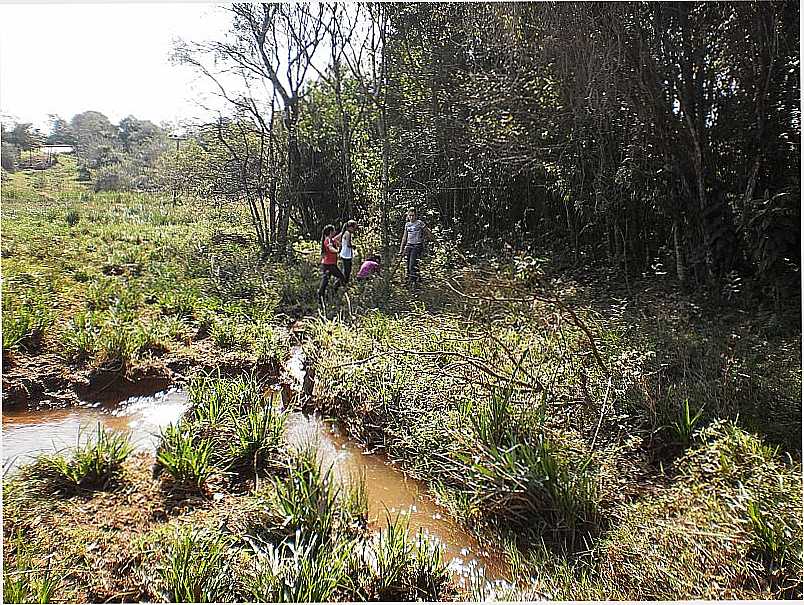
pixel 112 58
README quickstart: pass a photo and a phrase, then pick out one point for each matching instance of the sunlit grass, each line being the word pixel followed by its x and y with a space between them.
pixel 90 465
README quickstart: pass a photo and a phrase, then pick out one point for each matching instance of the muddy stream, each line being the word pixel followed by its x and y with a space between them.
pixel 29 433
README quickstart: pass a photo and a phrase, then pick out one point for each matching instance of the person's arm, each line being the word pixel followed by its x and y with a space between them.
pixel 428 235
pixel 331 247
pixel 404 241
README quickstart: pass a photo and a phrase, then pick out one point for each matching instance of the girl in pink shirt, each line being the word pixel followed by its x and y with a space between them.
pixel 329 262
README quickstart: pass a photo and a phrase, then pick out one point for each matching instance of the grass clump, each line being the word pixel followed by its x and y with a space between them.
pixel 402 568
pixel 232 427
pixel 308 574
pixel 185 457
pixel 258 435
pixel 24 321
pixel 90 466
pixel 194 567
pixel 728 527
pixel 72 217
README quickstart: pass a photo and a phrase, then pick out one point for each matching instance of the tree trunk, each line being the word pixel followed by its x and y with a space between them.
pixel 681 268
pixel 386 160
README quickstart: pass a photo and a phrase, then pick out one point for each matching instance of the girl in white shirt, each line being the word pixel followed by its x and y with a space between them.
pixel 347 251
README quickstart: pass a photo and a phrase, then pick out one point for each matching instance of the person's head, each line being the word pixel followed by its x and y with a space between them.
pixel 351 225
pixel 327 232
pixel 411 214
pixel 374 258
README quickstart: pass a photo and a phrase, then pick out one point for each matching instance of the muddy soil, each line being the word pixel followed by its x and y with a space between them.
pixel 47 380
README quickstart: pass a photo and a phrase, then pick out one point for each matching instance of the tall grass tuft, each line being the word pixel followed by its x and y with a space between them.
pixel 354 505
pixel 24 322
pixel 771 535
pixel 309 575
pixel 686 424
pixel 91 465
pixel 193 571
pixel 402 569
pixel 258 435
pixel 184 456
pixel 308 498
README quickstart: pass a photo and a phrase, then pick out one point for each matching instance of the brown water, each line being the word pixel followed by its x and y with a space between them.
pixel 392 493
pixel 29 433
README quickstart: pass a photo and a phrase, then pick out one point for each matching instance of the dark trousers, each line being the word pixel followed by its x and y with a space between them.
pixel 326 271
pixel 413 253
pixel 347 269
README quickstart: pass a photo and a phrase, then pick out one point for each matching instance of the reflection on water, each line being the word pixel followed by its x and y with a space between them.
pixel 388 489
pixel 28 433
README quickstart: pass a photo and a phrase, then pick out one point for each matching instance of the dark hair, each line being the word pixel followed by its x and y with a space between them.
pixel 412 209
pixel 347 224
pixel 328 229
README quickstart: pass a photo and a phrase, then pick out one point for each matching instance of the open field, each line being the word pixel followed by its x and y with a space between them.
pixel 611 444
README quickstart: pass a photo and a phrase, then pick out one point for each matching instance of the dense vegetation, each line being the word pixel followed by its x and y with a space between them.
pixel 601 371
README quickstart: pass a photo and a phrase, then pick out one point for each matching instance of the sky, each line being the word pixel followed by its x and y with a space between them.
pixel 110 57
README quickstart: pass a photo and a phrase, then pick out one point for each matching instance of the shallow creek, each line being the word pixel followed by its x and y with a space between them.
pixel 389 491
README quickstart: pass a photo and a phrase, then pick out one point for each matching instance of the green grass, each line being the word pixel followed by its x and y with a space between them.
pixel 91 465
pixel 185 456
pixel 135 263
pixel 25 582
pixel 308 498
pixel 258 435
pixel 402 568
pixel 310 574
pixel 26 314
pixel 194 567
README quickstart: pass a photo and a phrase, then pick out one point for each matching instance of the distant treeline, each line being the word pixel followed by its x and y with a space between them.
pixel 112 156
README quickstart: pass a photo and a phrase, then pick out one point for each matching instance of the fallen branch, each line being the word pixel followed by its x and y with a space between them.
pixel 555 301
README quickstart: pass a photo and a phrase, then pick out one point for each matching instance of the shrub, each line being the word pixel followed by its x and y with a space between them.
pixel 91 465
pixel 72 217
